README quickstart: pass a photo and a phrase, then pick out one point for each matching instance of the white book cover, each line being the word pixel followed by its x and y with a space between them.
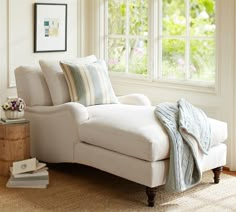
pixel 37 173
pixel 40 170
pixel 8 185
pixel 29 181
pixel 40 166
pixel 26 166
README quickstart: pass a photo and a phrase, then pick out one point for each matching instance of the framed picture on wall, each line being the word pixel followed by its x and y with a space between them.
pixel 50 27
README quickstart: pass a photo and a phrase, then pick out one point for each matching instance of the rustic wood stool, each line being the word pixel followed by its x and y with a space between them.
pixel 14 144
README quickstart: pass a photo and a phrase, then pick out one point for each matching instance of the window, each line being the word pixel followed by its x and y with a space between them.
pixel 162 39
pixel 128 36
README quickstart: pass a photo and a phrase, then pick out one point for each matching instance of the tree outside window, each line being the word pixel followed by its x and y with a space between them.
pixel 185 38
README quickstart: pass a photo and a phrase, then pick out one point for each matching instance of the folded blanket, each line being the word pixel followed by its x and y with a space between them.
pixel 190 138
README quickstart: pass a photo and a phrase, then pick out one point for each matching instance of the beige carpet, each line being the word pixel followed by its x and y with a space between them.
pixel 80 188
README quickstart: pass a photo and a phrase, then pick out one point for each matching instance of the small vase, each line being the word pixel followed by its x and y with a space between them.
pixel 14 114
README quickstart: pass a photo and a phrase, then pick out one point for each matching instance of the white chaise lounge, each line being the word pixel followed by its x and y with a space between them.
pixel 123 139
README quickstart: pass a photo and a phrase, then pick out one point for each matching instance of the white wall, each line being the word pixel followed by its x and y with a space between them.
pixel 16 43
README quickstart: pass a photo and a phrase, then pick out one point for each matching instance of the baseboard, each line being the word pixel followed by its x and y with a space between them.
pixel 226 168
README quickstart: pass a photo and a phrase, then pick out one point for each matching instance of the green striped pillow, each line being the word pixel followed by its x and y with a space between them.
pixel 89 84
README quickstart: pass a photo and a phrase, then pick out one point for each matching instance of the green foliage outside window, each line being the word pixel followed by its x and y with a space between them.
pixel 134 47
pixel 128 38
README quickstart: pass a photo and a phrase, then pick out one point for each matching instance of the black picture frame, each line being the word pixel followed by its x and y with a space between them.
pixel 50 27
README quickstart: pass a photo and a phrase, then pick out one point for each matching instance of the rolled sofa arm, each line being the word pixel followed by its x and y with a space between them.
pixel 54 130
pixel 134 99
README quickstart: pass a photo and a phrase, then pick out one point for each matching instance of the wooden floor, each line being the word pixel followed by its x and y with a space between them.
pixel 226 171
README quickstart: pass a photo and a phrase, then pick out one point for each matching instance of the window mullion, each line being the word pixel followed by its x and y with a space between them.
pixel 144 37
pixel 127 38
pixel 187 40
pixel 152 41
pixel 159 40
pixel 184 36
pixel 106 31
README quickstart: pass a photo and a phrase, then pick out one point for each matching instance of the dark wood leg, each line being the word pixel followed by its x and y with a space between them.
pixel 151 193
pixel 217 171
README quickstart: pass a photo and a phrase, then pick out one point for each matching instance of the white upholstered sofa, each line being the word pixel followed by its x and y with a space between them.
pixel 123 139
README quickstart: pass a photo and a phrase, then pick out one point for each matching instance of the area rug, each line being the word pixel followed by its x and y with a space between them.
pixel 80 188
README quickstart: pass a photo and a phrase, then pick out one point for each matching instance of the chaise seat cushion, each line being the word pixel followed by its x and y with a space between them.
pixel 134 131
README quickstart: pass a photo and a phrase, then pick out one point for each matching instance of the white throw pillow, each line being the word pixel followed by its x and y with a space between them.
pixel 56 80
pixel 32 87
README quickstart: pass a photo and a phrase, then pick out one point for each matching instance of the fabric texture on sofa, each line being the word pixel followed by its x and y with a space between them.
pixel 140 171
pixel 134 131
pixel 89 84
pixel 32 87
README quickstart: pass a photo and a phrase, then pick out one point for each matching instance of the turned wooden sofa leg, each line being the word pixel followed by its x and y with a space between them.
pixel 217 171
pixel 151 193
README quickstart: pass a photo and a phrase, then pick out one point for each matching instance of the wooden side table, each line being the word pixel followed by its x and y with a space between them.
pixel 14 144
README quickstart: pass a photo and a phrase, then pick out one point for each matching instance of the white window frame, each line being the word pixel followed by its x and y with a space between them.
pixel 126 37
pixel 154 58
pixel 187 38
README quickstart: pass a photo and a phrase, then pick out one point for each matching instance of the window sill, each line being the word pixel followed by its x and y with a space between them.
pixel 194 86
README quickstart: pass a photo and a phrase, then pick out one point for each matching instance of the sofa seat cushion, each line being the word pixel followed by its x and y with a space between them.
pixel 134 131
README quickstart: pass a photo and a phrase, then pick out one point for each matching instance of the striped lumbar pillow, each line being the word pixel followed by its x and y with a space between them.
pixel 89 84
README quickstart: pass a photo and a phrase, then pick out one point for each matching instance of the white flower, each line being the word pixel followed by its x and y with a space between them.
pixel 6 106
pixel 21 107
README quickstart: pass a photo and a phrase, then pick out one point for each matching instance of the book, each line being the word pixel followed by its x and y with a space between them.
pixel 29 182
pixel 13 121
pixel 39 166
pixel 26 186
pixel 26 166
pixel 39 170
pixel 37 173
pixel 28 173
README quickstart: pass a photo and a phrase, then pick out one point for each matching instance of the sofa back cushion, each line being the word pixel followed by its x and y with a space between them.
pixel 56 80
pixel 32 87
pixel 89 84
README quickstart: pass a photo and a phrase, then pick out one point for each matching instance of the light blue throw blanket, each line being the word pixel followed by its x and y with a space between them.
pixel 190 138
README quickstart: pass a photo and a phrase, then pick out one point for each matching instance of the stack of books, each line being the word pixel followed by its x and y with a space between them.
pixel 28 174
